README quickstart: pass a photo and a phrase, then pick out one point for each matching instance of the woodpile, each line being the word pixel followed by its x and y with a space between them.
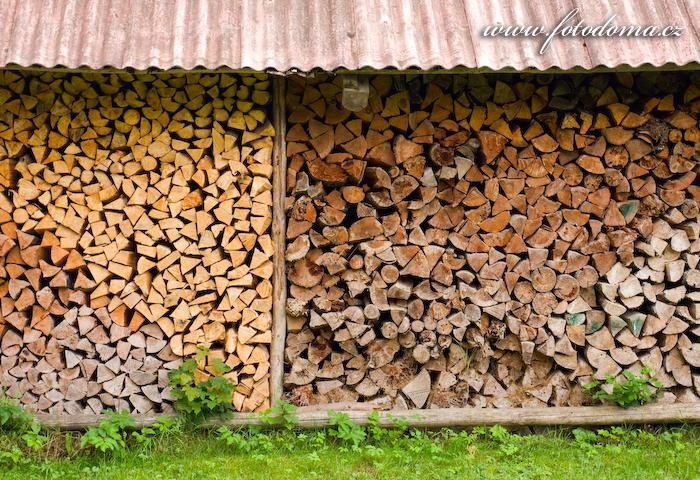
pixel 134 227
pixel 491 240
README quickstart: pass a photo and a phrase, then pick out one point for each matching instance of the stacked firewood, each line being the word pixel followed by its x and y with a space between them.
pixel 491 241
pixel 134 228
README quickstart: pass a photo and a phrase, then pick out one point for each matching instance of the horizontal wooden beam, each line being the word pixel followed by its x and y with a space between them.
pixel 443 417
pixel 83 420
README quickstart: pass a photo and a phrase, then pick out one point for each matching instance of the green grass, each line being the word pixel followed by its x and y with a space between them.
pixel 486 454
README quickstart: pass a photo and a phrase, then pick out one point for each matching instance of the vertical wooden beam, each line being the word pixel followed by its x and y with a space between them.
pixel 279 279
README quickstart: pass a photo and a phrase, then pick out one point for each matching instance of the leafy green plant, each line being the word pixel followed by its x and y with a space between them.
pixel 507 442
pixel 611 439
pixel 586 440
pixel 615 434
pixel 250 440
pixel 281 414
pixel 12 415
pixel 374 431
pixel 424 442
pixel 228 436
pixel 581 436
pixel 14 418
pixel 345 429
pixel 33 436
pixel 195 398
pixel 168 425
pixel 146 437
pixel 636 390
pixel 110 434
pixel 401 423
pixel 163 426
pixel 380 434
pixel 465 438
pixel 11 457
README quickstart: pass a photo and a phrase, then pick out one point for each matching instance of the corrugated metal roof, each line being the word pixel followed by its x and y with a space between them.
pixel 329 34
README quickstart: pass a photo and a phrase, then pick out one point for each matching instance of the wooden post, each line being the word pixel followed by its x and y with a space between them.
pixel 279 321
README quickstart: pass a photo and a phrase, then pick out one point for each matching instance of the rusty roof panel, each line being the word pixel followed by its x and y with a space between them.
pixel 283 35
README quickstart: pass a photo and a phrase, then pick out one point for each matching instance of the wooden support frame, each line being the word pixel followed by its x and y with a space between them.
pixel 279 221
pixel 317 417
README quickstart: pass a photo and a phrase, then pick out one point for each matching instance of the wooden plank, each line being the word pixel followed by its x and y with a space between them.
pixel 279 277
pixel 466 417
pixel 317 417
pixel 84 420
